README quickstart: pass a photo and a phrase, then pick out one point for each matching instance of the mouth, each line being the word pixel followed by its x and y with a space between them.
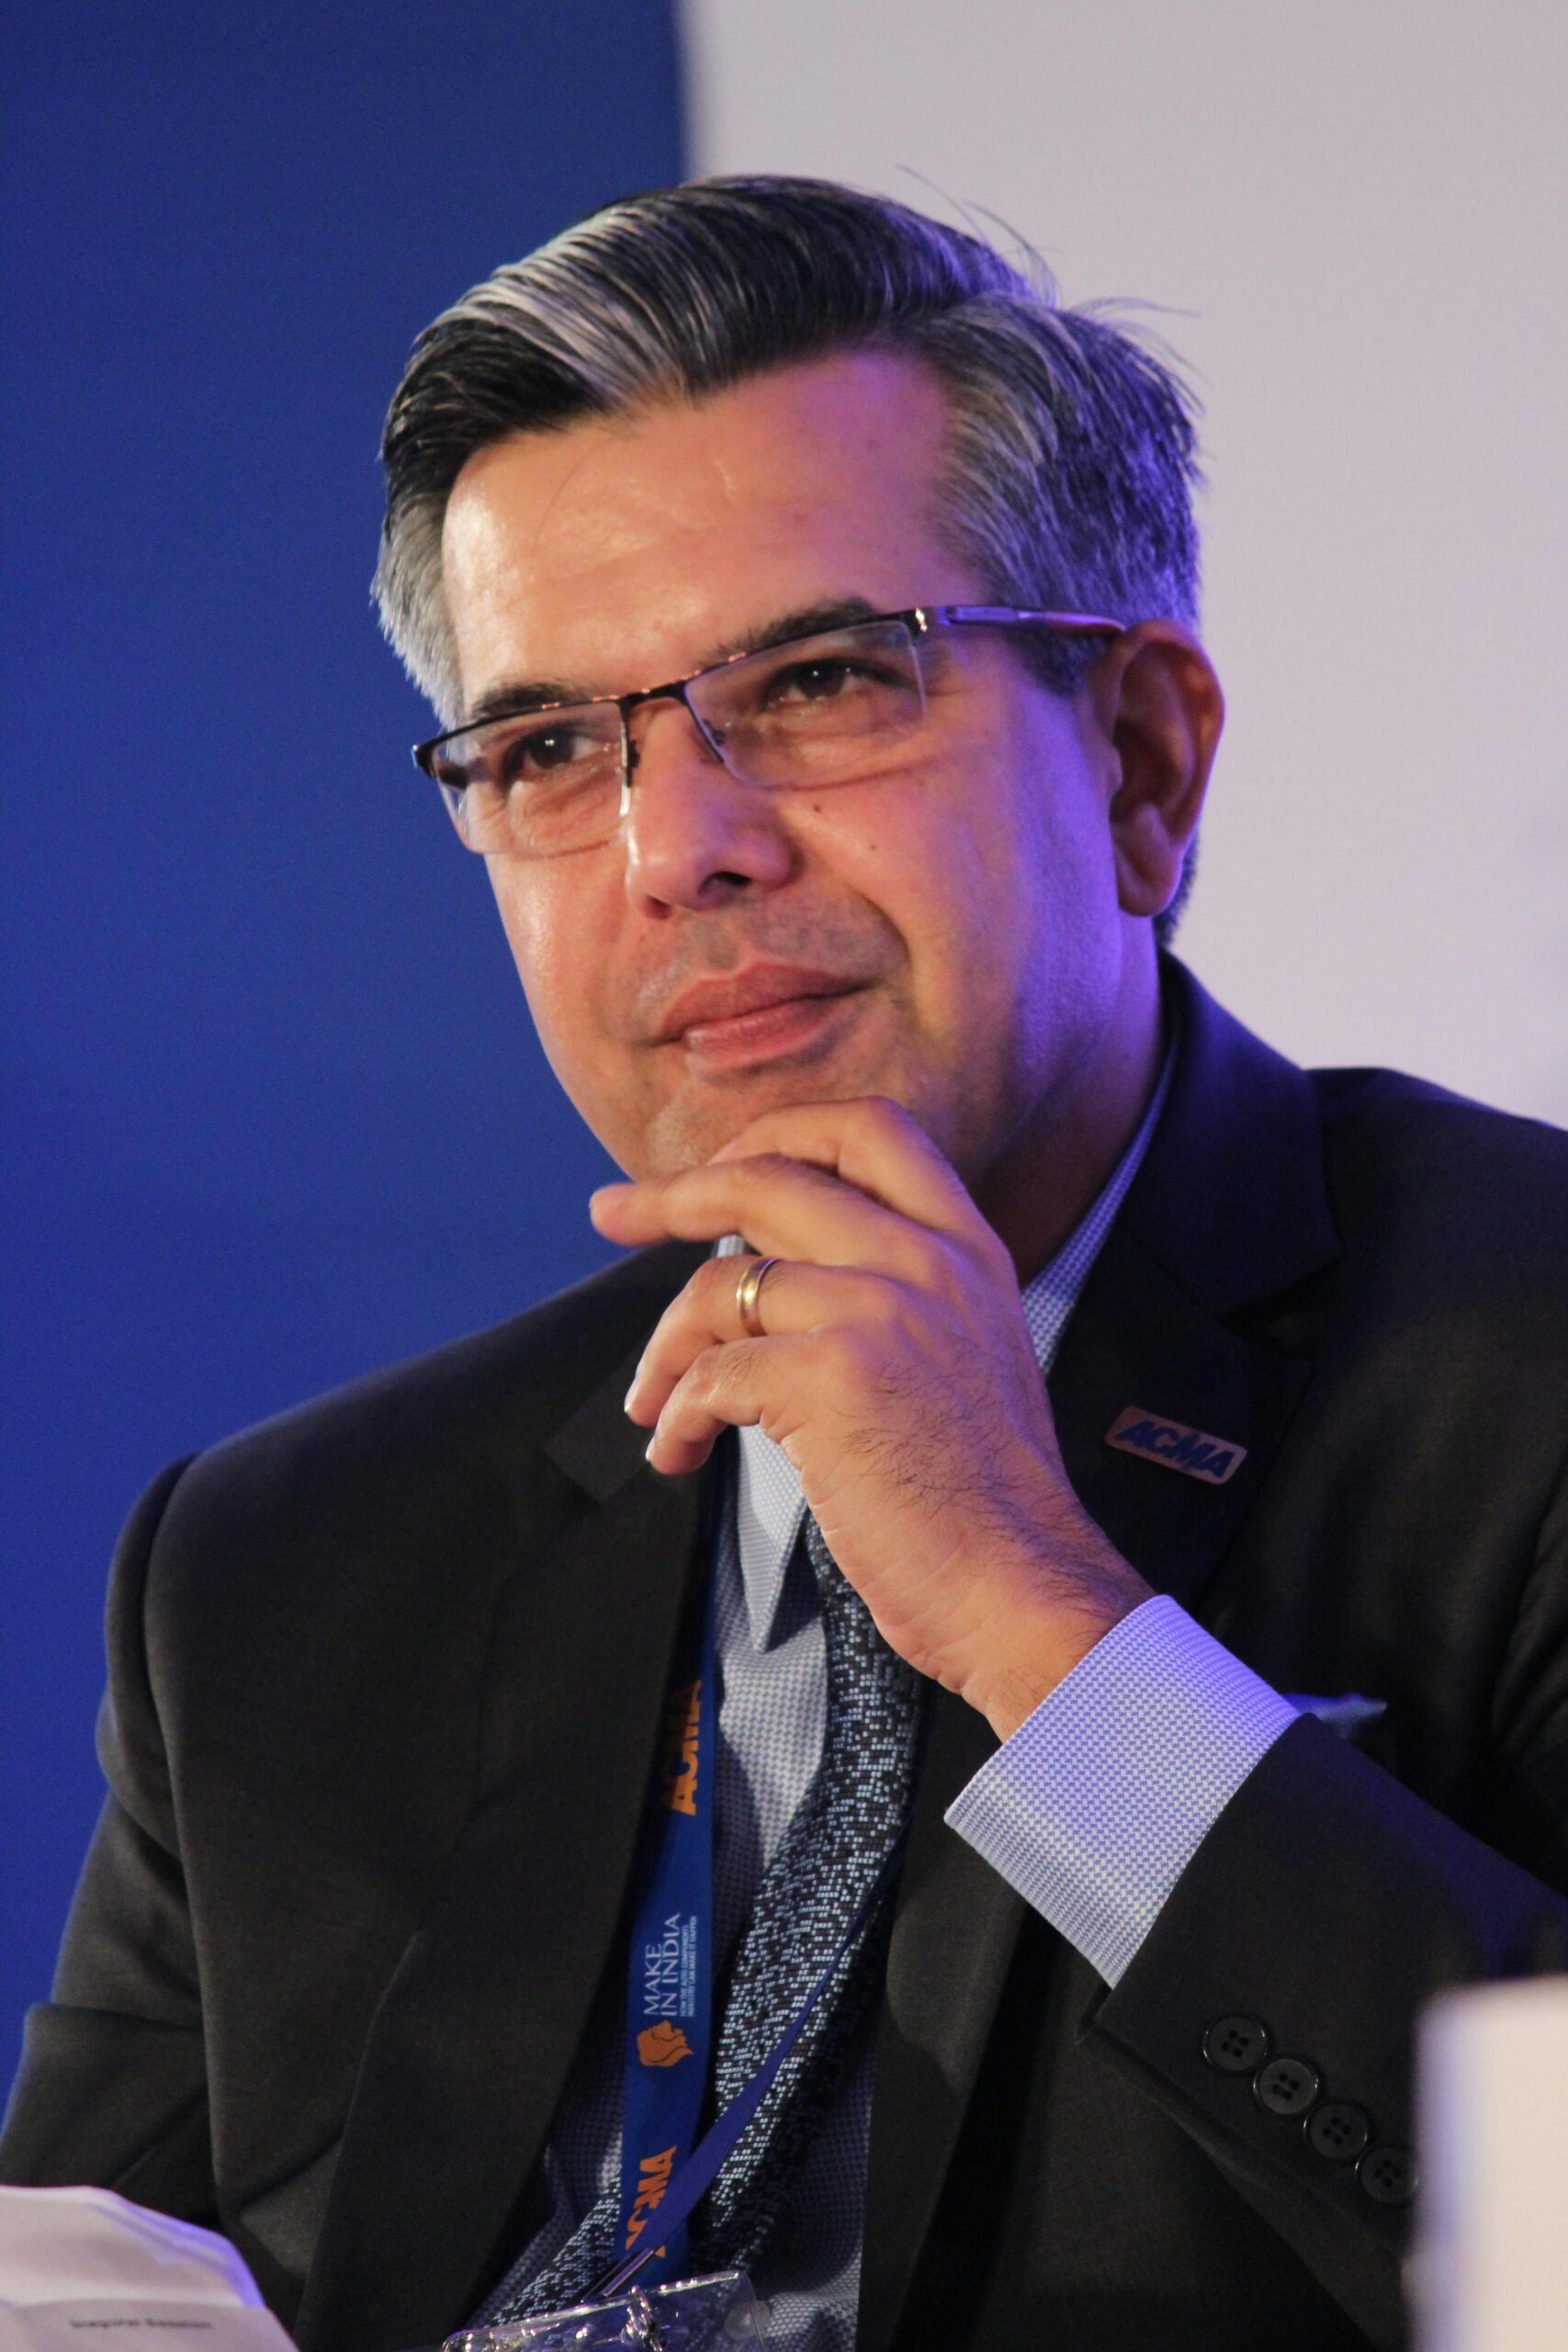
pixel 763 1015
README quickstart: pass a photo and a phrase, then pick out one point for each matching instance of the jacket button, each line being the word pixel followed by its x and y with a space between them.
pixel 1338 2130
pixel 1237 2045
pixel 1388 2175
pixel 1287 2086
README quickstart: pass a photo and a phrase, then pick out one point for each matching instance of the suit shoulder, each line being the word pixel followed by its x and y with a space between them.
pixel 1425 1175
pixel 426 1435
pixel 1409 1126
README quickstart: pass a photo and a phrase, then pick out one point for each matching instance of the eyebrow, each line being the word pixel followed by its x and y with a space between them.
pixel 514 699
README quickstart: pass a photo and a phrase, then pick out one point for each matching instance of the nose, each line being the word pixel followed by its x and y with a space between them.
pixel 695 836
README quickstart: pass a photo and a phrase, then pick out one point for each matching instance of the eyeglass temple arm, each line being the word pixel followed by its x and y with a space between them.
pixel 1016 617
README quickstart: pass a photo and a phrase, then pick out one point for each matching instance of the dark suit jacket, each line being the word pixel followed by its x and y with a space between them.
pixel 385 1679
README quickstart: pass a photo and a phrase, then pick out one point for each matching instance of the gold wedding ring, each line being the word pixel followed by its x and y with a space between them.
pixel 747 1293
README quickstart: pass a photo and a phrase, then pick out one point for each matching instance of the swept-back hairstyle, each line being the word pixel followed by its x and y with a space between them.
pixel 1071 457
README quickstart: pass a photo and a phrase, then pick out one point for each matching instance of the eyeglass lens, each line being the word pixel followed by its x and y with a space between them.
pixel 819 711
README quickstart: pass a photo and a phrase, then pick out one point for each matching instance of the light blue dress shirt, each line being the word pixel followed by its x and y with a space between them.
pixel 1091 1810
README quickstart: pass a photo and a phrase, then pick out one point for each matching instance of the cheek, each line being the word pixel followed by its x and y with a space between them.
pixel 960 862
pixel 1066 893
pixel 1013 896
pixel 551 928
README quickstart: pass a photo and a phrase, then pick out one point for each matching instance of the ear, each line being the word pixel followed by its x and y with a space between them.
pixel 1156 700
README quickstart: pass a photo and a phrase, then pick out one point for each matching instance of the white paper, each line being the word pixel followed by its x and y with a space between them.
pixel 140 2324
pixel 1490 2272
pixel 81 2268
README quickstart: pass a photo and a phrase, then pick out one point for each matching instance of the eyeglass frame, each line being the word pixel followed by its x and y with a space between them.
pixel 920 620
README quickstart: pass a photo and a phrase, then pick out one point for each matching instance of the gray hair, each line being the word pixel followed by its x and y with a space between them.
pixel 1071 451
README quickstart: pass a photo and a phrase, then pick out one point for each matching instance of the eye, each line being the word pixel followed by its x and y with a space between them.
pixel 816 681
pixel 812 681
pixel 545 750
pixel 828 677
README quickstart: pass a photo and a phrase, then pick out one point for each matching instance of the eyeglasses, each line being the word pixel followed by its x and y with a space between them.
pixel 833 708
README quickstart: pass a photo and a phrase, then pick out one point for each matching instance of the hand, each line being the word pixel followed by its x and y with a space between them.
pixel 897 1373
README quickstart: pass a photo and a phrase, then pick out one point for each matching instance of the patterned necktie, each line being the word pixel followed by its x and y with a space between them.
pixel 825 1865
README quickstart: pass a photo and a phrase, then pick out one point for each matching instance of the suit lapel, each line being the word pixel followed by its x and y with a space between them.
pixel 473 2040
pixel 1227 1209
pixel 1227 1212
pixel 953 1933
pixel 1139 1340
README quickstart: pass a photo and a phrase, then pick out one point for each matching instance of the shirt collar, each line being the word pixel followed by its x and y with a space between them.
pixel 769 1505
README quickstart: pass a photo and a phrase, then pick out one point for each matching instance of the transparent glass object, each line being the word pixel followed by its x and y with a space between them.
pixel 713 2314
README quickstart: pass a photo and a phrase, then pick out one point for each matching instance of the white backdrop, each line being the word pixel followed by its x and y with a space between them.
pixel 1352 218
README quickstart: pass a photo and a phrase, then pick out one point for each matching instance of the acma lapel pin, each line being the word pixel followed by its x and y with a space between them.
pixel 1174 1446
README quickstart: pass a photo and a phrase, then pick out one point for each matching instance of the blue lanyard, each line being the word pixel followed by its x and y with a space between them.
pixel 669 2014
pixel 692 2179
pixel 668 2053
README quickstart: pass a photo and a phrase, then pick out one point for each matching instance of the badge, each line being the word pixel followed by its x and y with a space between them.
pixel 1174 1446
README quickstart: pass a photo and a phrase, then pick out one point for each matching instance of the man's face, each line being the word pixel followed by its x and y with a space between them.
pixel 945 933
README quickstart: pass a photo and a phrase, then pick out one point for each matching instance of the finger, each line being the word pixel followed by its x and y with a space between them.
pixel 795 1297
pixel 871 1143
pixel 787 1208
pixel 726 1387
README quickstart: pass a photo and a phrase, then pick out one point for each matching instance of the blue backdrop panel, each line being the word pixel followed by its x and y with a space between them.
pixel 273 1110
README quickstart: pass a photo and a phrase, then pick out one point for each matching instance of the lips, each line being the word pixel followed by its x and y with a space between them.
pixel 711 1011
pixel 768 1013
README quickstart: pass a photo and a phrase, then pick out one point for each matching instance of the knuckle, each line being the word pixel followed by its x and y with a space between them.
pixel 715 1284
pixel 850 1351
pixel 888 1306
pixel 760 1173
pixel 932 1269
pixel 720 1373
pixel 678 1406
pixel 879 1118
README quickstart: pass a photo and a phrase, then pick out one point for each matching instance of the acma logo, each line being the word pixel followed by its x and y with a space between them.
pixel 1175 1446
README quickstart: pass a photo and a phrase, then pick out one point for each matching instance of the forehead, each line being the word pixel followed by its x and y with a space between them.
pixel 623 551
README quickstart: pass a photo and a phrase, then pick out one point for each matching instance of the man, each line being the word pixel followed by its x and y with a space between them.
pixel 809 604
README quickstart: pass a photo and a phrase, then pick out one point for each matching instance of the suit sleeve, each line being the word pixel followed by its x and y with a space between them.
pixel 1325 1907
pixel 112 2086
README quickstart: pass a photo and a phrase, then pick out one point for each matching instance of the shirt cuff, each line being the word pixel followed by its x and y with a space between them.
pixel 1098 1801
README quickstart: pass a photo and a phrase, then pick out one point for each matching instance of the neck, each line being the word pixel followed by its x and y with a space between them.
pixel 1059 1159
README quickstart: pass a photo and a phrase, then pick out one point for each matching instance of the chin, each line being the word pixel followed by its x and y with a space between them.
pixel 687 1131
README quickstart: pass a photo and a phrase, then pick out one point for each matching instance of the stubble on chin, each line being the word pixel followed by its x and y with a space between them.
pixel 695 1120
